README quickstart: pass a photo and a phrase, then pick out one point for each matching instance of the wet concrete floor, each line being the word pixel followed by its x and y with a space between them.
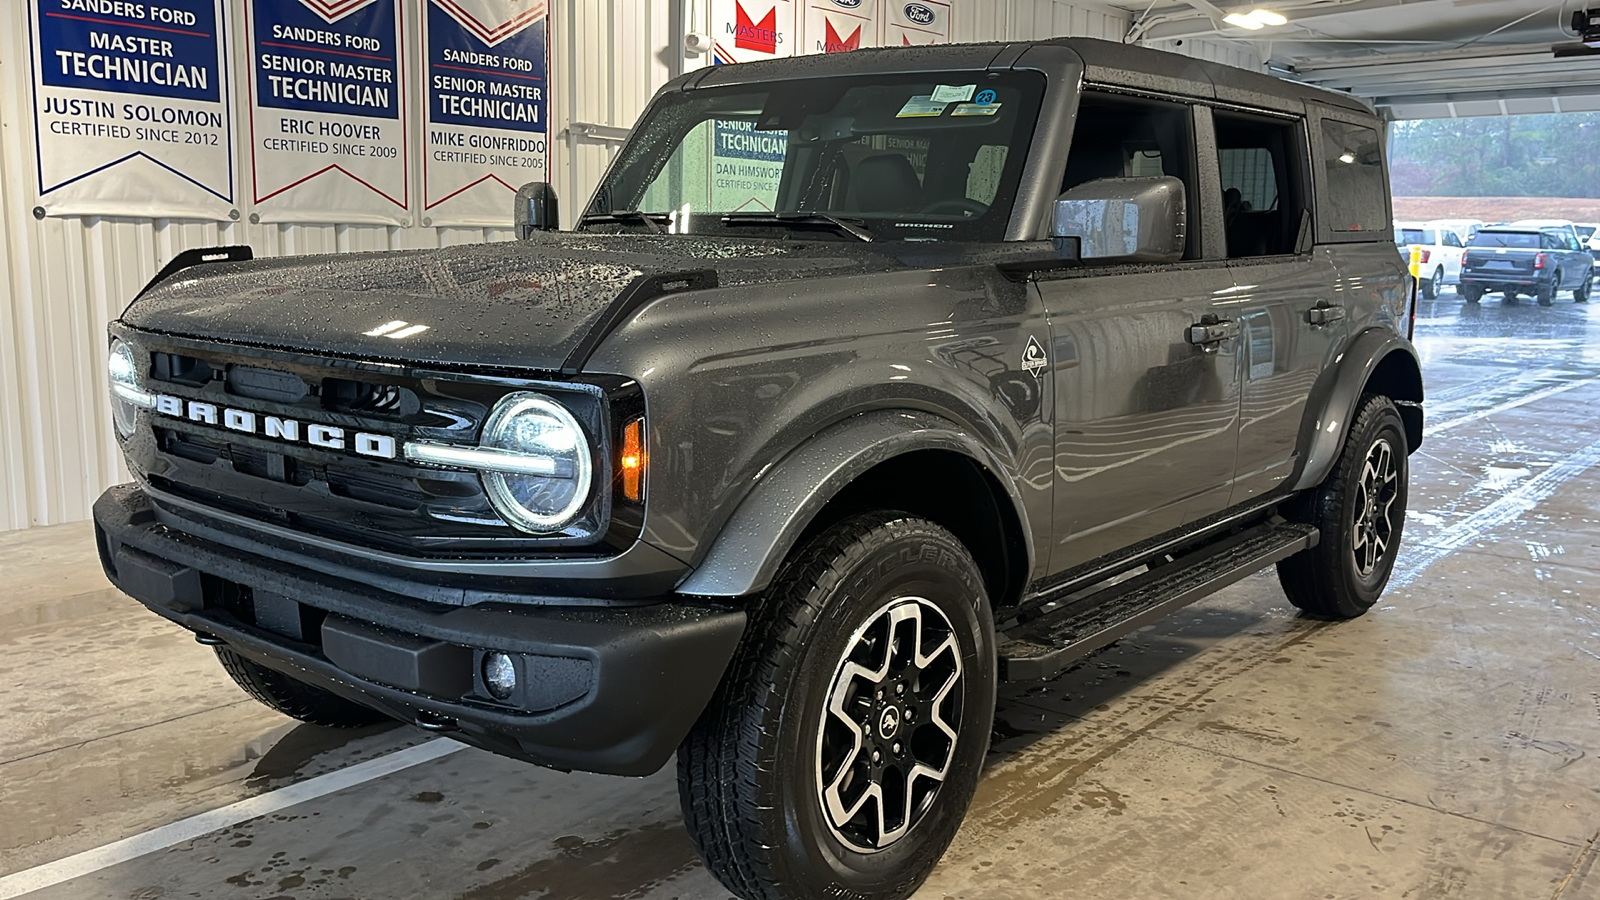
pixel 1445 745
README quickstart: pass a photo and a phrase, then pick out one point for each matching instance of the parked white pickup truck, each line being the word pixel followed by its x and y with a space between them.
pixel 1442 248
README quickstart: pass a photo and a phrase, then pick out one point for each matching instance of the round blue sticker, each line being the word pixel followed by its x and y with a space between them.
pixel 984 98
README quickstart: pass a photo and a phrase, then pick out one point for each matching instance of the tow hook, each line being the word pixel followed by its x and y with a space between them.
pixel 436 724
pixel 210 640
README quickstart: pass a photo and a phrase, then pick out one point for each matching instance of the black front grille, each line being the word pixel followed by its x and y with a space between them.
pixel 389 504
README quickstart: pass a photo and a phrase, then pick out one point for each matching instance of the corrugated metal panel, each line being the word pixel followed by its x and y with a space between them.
pixel 66 277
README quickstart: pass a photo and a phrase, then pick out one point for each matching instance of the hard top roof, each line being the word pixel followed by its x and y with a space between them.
pixel 1104 61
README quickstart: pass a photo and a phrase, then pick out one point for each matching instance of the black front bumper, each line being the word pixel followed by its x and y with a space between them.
pixel 610 689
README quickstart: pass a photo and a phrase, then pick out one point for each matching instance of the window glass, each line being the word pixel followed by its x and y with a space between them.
pixel 1355 196
pixel 1119 137
pixel 1551 240
pixel 1261 202
pixel 1521 240
pixel 1450 239
pixel 921 157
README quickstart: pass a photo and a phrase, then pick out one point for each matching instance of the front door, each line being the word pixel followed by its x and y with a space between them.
pixel 1146 421
pixel 1146 407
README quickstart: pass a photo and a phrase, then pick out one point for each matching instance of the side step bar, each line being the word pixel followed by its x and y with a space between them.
pixel 1045 646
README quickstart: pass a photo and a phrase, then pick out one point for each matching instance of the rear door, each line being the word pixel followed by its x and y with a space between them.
pixel 1146 421
pixel 1291 317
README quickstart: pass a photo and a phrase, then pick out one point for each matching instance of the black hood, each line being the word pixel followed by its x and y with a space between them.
pixel 525 304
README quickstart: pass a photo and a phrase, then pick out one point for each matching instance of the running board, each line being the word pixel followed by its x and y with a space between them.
pixel 1045 646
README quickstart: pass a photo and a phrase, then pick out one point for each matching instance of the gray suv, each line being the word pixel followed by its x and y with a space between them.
pixel 864 383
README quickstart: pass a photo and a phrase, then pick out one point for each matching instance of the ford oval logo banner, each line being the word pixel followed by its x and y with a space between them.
pixel 847 4
pixel 918 13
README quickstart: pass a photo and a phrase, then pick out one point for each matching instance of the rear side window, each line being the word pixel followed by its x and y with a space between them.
pixel 1355 194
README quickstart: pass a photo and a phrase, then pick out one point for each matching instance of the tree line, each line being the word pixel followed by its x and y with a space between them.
pixel 1552 155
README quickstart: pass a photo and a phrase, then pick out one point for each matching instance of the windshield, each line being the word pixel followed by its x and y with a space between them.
pixel 1521 240
pixel 905 157
pixel 1586 231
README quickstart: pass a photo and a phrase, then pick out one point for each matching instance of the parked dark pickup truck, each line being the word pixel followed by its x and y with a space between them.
pixel 868 381
pixel 1517 260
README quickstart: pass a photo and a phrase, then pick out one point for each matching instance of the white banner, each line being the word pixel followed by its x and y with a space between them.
pixel 835 26
pixel 328 112
pixel 917 22
pixel 487 73
pixel 749 30
pixel 131 108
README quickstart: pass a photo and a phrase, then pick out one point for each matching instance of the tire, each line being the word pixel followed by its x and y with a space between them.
pixel 758 770
pixel 1510 298
pixel 294 698
pixel 1345 573
pixel 1580 294
pixel 1471 293
pixel 1430 286
pixel 1546 293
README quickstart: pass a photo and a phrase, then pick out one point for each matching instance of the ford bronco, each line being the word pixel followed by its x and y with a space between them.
pixel 863 383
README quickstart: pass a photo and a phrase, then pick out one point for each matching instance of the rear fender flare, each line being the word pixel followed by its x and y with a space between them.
pixel 766 525
pixel 1353 372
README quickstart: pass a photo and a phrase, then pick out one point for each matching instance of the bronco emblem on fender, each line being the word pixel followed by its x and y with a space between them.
pixel 1034 359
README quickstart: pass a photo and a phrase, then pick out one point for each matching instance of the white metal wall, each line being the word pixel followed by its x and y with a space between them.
pixel 64 278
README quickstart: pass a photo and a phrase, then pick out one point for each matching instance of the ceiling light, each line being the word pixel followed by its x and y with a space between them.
pixel 1255 19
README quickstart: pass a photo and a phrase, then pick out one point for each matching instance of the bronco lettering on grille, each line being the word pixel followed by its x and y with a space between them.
pixel 327 437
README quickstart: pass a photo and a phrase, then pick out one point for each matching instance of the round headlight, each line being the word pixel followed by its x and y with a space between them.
pixel 127 398
pixel 534 426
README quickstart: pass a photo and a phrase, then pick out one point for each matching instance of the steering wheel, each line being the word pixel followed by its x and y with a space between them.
pixel 965 206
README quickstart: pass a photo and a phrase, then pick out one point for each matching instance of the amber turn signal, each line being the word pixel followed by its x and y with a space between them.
pixel 633 460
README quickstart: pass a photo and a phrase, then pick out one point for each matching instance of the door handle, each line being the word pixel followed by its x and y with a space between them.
pixel 1207 335
pixel 1324 314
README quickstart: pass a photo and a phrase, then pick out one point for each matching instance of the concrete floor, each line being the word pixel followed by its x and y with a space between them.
pixel 1445 745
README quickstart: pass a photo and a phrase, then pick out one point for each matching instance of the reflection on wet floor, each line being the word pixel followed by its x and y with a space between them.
pixel 1444 745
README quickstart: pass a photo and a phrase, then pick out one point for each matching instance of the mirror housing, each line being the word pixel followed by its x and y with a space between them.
pixel 535 209
pixel 1124 219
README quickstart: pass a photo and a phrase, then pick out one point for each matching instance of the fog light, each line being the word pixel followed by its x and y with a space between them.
pixel 499 675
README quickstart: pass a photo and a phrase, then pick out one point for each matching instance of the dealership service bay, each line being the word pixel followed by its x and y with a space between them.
pixel 1443 745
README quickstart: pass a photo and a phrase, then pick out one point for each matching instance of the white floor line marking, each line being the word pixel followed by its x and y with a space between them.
pixel 1513 504
pixel 1446 425
pixel 90 861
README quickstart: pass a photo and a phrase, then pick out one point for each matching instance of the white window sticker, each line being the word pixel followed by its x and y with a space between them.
pixel 953 93
pixel 974 109
pixel 921 106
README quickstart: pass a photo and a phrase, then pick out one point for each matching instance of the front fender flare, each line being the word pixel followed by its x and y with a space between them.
pixel 1353 372
pixel 788 494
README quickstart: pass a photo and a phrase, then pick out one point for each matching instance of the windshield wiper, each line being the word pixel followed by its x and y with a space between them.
pixel 627 217
pixel 800 220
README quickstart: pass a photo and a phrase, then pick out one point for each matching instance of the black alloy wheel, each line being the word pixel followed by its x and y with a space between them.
pixel 1360 510
pixel 846 740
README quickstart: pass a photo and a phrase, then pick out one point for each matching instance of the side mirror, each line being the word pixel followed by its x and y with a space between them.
pixel 535 209
pixel 1124 219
